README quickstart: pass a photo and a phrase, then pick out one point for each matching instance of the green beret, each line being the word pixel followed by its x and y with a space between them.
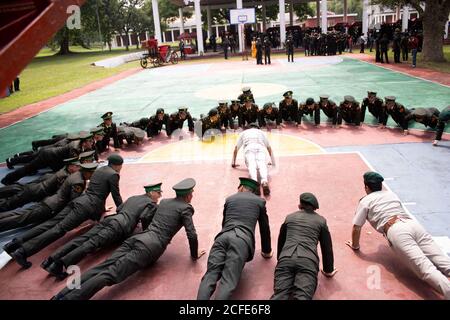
pixel 153 187
pixel 249 183
pixel 115 159
pixel 97 130
pixel 184 187
pixel 309 198
pixel 89 166
pixel 73 160
pixel 309 101
pixel 107 116
pixel 373 177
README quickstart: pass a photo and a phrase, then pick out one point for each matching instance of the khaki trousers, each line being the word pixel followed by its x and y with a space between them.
pixel 417 249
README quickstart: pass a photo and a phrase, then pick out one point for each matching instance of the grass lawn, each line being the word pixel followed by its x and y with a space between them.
pixel 49 75
pixel 442 66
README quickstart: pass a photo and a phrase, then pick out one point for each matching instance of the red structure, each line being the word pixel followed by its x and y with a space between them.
pixel 25 27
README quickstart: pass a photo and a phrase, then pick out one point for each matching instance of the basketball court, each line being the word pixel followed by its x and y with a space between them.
pixel 328 162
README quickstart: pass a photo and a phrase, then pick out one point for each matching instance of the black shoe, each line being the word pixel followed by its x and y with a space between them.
pixel 9 164
pixel 46 263
pixel 266 190
pixel 258 191
pixel 34 146
pixel 20 257
pixel 56 269
pixel 12 246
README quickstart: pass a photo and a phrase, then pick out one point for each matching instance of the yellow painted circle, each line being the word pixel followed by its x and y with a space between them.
pixel 222 149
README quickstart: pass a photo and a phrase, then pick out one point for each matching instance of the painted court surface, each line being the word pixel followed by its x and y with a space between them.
pixel 328 162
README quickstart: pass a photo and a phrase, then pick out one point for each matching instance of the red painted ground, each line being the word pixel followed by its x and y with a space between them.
pixel 175 276
pixel 420 72
pixel 31 110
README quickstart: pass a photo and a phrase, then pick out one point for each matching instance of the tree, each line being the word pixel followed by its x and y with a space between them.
pixel 126 13
pixel 140 23
pixel 303 10
pixel 434 16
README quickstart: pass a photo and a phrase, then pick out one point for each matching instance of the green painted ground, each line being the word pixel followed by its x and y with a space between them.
pixel 170 87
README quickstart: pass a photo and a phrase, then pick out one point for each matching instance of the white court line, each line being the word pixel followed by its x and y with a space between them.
pixel 404 73
pixel 4 259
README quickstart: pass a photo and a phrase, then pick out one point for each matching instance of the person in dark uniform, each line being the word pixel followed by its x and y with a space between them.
pixel 289 108
pixel 131 135
pixel 90 205
pixel 110 130
pixel 224 115
pixel 267 50
pixel 270 116
pixel 246 92
pixel 18 195
pixel 28 156
pixel 396 45
pixel 398 112
pixel 384 46
pixel 429 117
pixel 40 212
pixel 226 46
pixel 50 157
pixel 404 46
pixel 298 262
pixel 444 118
pixel 375 107
pixel 306 44
pixel 235 243
pixel 113 229
pixel 210 124
pixel 97 137
pixel 176 121
pixel 310 108
pixel 142 123
pixel 259 51
pixel 235 119
pixel 249 112
pixel 350 111
pixel 329 108
pixel 61 139
pixel 143 249
pixel 156 123
pixel 290 49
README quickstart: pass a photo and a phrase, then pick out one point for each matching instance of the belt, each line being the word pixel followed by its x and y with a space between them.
pixel 390 223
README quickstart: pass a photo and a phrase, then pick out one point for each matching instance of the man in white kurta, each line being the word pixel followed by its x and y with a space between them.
pixel 256 146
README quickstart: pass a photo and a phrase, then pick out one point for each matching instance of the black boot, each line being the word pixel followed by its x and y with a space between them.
pixel 9 164
pixel 12 246
pixel 266 189
pixel 21 258
pixel 46 263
